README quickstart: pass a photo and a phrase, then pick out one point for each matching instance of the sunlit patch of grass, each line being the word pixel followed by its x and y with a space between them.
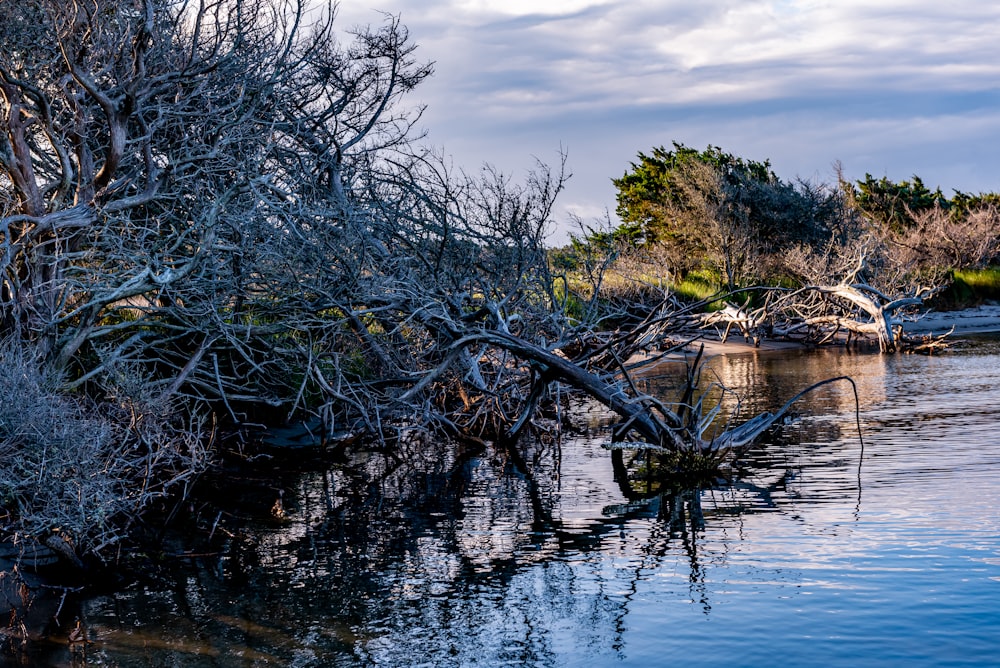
pixel 569 299
pixel 698 286
pixel 970 287
pixel 644 284
pixel 985 283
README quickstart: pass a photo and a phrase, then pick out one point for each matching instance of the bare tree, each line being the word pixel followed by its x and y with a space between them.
pixel 941 240
pixel 226 204
pixel 162 162
pixel 176 188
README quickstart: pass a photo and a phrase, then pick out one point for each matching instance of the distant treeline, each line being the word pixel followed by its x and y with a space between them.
pixel 686 211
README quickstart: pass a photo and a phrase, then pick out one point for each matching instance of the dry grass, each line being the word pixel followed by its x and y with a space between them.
pixel 75 474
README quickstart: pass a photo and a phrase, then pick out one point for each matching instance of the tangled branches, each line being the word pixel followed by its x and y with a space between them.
pixel 220 208
pixel 820 313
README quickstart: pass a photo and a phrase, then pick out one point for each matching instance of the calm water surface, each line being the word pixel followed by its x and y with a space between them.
pixel 812 556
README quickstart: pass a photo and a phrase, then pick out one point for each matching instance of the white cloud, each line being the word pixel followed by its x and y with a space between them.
pixel 896 86
pixel 522 7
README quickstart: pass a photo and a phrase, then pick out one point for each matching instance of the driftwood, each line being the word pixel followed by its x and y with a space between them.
pixel 733 316
pixel 819 313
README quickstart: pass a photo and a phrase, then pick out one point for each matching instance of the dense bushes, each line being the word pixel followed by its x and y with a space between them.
pixel 711 209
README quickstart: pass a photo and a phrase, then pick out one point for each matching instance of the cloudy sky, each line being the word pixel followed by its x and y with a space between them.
pixel 890 87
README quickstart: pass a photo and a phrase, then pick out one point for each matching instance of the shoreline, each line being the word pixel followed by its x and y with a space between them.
pixel 977 320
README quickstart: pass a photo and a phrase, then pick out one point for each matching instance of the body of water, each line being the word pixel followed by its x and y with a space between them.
pixel 810 556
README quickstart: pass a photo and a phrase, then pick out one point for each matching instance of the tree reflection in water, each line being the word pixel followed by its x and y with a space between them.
pixel 439 554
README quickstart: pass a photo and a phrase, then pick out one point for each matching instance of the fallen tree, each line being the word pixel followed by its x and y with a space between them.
pixel 684 427
pixel 820 313
pixel 181 205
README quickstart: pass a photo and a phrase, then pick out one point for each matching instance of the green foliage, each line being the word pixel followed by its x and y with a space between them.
pixel 893 205
pixel 985 281
pixel 714 209
pixel 569 301
pixel 698 285
pixel 896 206
pixel 981 284
pixel 657 188
pixel 961 204
pixel 969 287
pixel 580 254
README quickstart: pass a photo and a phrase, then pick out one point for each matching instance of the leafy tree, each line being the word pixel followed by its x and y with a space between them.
pixel 895 206
pixel 712 207
pixel 962 203
pixel 652 196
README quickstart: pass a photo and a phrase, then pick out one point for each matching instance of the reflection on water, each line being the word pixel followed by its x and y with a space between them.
pixel 456 558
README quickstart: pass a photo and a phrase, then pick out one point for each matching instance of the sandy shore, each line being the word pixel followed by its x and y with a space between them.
pixel 979 320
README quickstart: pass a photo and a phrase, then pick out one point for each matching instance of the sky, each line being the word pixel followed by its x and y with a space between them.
pixel 887 87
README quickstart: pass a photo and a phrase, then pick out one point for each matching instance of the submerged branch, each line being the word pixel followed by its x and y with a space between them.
pixel 736 440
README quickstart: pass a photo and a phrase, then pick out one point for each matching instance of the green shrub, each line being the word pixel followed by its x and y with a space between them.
pixel 983 283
